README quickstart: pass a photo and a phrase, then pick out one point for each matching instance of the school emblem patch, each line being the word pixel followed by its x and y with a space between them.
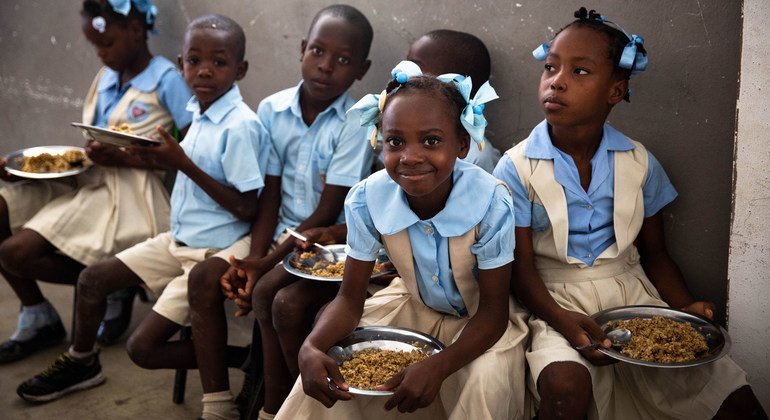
pixel 138 111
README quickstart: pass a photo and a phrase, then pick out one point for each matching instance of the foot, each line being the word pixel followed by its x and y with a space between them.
pixel 121 303
pixel 46 336
pixel 64 376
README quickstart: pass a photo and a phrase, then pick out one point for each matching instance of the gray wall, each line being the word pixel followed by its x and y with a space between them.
pixel 683 107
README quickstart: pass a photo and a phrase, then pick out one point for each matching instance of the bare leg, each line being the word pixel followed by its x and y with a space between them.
pixel 294 310
pixel 275 370
pixel 565 391
pixel 209 326
pixel 741 404
pixel 29 255
pixel 95 283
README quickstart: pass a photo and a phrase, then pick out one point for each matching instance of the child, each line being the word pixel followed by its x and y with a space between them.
pixel 586 197
pixel 295 306
pixel 50 230
pixel 319 156
pixel 447 227
pixel 214 199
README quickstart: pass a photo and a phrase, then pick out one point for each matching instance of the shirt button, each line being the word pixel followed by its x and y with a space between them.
pixel 590 255
pixel 589 207
pixel 428 230
pixel 435 279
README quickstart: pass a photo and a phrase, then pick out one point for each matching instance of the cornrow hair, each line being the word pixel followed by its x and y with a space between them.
pixel 94 8
pixel 431 85
pixel 617 38
pixel 352 16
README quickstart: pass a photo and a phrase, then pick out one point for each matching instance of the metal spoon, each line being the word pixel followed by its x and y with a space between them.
pixel 299 236
pixel 618 337
pixel 338 354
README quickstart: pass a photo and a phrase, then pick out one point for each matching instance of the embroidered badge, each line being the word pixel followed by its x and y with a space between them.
pixel 138 111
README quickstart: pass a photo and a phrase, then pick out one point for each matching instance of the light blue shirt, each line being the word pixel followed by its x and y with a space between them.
pixel 333 151
pixel 225 143
pixel 160 75
pixel 378 206
pixel 590 213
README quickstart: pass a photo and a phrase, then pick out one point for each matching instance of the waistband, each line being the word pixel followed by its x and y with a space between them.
pixel 553 271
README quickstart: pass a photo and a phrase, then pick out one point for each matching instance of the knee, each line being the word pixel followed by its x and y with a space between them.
pixel 203 284
pixel 140 351
pixel 565 389
pixel 93 281
pixel 262 300
pixel 13 255
pixel 288 314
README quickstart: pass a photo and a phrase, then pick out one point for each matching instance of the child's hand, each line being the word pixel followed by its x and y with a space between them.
pixel 704 309
pixel 415 387
pixel 316 367
pixel 4 175
pixel 238 282
pixel 167 155
pixel 104 154
pixel 579 330
pixel 322 235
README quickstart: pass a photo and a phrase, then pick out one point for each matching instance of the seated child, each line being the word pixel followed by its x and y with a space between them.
pixel 447 226
pixel 589 232
pixel 51 229
pixel 212 204
pixel 318 157
pixel 295 306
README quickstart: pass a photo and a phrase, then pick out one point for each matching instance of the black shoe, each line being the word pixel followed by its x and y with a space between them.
pixel 47 336
pixel 110 330
pixel 65 375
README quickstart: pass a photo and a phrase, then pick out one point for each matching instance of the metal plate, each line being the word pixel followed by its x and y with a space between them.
pixel 716 337
pixel 104 135
pixel 339 252
pixel 16 161
pixel 387 338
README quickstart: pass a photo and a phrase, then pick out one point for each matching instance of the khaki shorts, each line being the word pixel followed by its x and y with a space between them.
pixel 163 265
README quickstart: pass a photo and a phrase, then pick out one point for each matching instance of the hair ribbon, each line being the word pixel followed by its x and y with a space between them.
pixel 632 59
pixel 143 6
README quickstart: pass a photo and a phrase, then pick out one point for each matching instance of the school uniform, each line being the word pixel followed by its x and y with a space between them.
pixel 330 151
pixel 584 252
pixel 437 292
pixel 106 209
pixel 224 142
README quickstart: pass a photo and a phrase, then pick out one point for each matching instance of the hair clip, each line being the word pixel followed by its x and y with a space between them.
pixel 99 24
pixel 541 52
pixel 404 70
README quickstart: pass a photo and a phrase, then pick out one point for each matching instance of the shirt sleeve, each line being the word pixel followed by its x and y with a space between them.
pixel 352 157
pixel 364 241
pixel 274 164
pixel 506 172
pixel 174 95
pixel 658 190
pixel 496 235
pixel 243 156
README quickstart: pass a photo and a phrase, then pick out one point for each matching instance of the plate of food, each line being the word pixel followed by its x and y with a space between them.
pixel 47 162
pixel 664 337
pixel 115 135
pixel 314 265
pixel 369 356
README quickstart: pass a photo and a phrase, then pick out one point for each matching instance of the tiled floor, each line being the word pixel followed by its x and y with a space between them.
pixel 130 392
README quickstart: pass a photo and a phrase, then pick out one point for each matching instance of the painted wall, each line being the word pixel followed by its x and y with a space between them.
pixel 748 274
pixel 683 107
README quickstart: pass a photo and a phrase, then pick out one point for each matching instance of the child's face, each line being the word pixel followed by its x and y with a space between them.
pixel 578 85
pixel 210 65
pixel 421 142
pixel 332 59
pixel 117 47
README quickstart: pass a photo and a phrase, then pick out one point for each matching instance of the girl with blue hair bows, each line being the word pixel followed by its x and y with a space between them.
pixel 52 229
pixel 589 237
pixel 447 226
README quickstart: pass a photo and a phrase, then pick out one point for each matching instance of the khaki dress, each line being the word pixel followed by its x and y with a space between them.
pixel 103 210
pixel 490 387
pixel 621 391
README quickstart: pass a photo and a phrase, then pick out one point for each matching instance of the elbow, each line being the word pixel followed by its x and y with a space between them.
pixel 245 213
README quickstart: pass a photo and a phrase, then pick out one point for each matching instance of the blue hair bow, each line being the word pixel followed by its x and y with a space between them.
pixel 633 59
pixel 472 116
pixel 541 52
pixel 143 6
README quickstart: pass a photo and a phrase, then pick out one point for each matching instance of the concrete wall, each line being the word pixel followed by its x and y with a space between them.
pixel 748 274
pixel 683 107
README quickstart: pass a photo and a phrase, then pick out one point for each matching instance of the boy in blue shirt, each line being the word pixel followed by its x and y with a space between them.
pixel 319 155
pixel 213 202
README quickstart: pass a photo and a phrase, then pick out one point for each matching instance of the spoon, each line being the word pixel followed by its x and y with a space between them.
pixel 338 354
pixel 618 337
pixel 299 236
